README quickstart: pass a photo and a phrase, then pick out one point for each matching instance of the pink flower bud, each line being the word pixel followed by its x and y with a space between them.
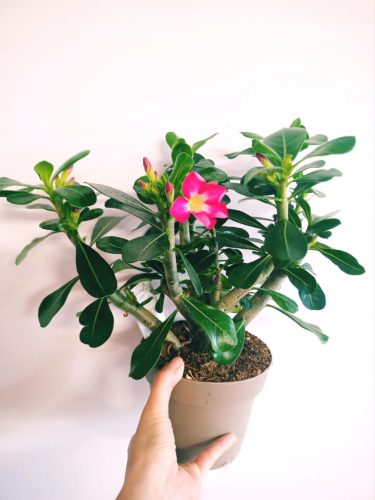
pixel 169 191
pixel 263 160
pixel 147 165
pixel 142 184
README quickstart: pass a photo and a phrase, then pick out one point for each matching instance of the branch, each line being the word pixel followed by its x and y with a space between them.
pixel 259 299
pixel 170 264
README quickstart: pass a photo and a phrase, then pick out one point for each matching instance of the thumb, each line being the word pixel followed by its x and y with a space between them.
pixel 163 385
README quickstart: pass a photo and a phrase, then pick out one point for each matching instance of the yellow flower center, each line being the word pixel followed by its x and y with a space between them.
pixel 196 203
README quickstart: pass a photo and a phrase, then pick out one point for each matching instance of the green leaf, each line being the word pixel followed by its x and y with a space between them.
pixel 305 207
pixel 303 324
pixel 244 218
pixel 253 172
pixel 147 353
pixel 245 275
pixel 235 241
pixel 251 135
pixel 23 197
pixel 139 278
pixel 179 148
pixel 44 170
pixel 287 141
pixel 145 247
pixel 52 304
pixel 159 306
pixel 95 274
pixel 42 206
pixel 261 147
pixel 182 166
pixel 281 300
pixel 247 151
pixel 193 275
pixel 316 139
pixel 111 244
pixel 212 174
pixel 70 162
pixel 23 254
pixel 7 182
pixel 293 217
pixel 284 241
pixel 217 325
pixel 51 225
pixel 346 262
pixel 197 145
pixel 337 146
pixel 230 231
pixel 77 195
pixel 228 357
pixel 307 181
pixel 171 138
pixel 146 217
pixel 301 279
pixel 314 300
pixel 323 225
pixel 88 214
pixel 98 320
pixel 103 226
pixel 314 164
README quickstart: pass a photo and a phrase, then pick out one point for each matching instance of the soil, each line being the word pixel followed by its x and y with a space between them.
pixel 253 360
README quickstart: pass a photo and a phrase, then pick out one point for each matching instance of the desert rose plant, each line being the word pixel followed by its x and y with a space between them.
pixel 217 275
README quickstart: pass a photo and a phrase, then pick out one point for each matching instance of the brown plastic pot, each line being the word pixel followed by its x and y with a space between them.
pixel 203 411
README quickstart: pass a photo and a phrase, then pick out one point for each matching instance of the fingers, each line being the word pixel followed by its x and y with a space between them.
pixel 206 459
pixel 163 386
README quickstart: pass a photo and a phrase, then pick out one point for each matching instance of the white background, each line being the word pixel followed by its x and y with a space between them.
pixel 114 76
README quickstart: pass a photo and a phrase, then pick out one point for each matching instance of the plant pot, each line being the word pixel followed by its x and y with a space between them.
pixel 203 411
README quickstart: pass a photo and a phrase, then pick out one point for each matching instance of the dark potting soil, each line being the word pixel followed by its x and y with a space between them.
pixel 253 360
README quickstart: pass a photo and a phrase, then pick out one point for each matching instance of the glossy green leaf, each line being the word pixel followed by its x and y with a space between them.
pixel 247 151
pixel 314 300
pixel 7 182
pixel 97 319
pixel 303 324
pixel 146 217
pixel 145 247
pixel 70 162
pixel 261 147
pixel 24 252
pixel 179 148
pixel 197 145
pixel 337 146
pixel 95 274
pixel 171 138
pixel 234 241
pixel 210 174
pixel 284 241
pixel 147 353
pixel 51 225
pixel 77 195
pixel 52 304
pixel 345 261
pixel 23 197
pixel 228 357
pixel 323 225
pixel 293 217
pixel 182 166
pixel 88 214
pixel 281 300
pixel 233 231
pixel 308 166
pixel 44 170
pixel 217 325
pixel 316 139
pixel 305 207
pixel 193 275
pixel 111 244
pixel 245 275
pixel 140 278
pixel 287 141
pixel 159 306
pixel 244 218
pixel 103 226
pixel 41 206
pixel 301 279
pixel 307 181
pixel 251 135
pixel 254 172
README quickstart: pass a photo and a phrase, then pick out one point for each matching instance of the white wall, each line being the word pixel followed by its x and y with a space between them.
pixel 114 77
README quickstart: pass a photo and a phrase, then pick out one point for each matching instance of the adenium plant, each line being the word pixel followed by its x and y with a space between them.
pixel 219 276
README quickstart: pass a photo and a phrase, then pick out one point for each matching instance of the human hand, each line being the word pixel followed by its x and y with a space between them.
pixel 152 470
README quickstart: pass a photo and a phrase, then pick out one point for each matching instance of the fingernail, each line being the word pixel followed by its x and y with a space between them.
pixel 176 363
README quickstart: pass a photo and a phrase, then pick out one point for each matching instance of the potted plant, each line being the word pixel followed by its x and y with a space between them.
pixel 196 252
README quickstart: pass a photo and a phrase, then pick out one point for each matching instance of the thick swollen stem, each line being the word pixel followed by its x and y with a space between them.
pixel 231 299
pixel 218 286
pixel 141 314
pixel 170 264
pixel 282 204
pixel 259 300
pixel 184 233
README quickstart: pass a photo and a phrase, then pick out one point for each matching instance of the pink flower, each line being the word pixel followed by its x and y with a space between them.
pixel 202 199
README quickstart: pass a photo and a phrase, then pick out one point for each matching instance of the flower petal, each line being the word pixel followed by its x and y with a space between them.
pixel 218 210
pixel 205 219
pixel 193 184
pixel 180 209
pixel 214 192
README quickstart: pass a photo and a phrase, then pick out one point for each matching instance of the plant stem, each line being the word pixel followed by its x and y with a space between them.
pixel 217 292
pixel 282 205
pixel 185 233
pixel 170 264
pixel 259 300
pixel 229 301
